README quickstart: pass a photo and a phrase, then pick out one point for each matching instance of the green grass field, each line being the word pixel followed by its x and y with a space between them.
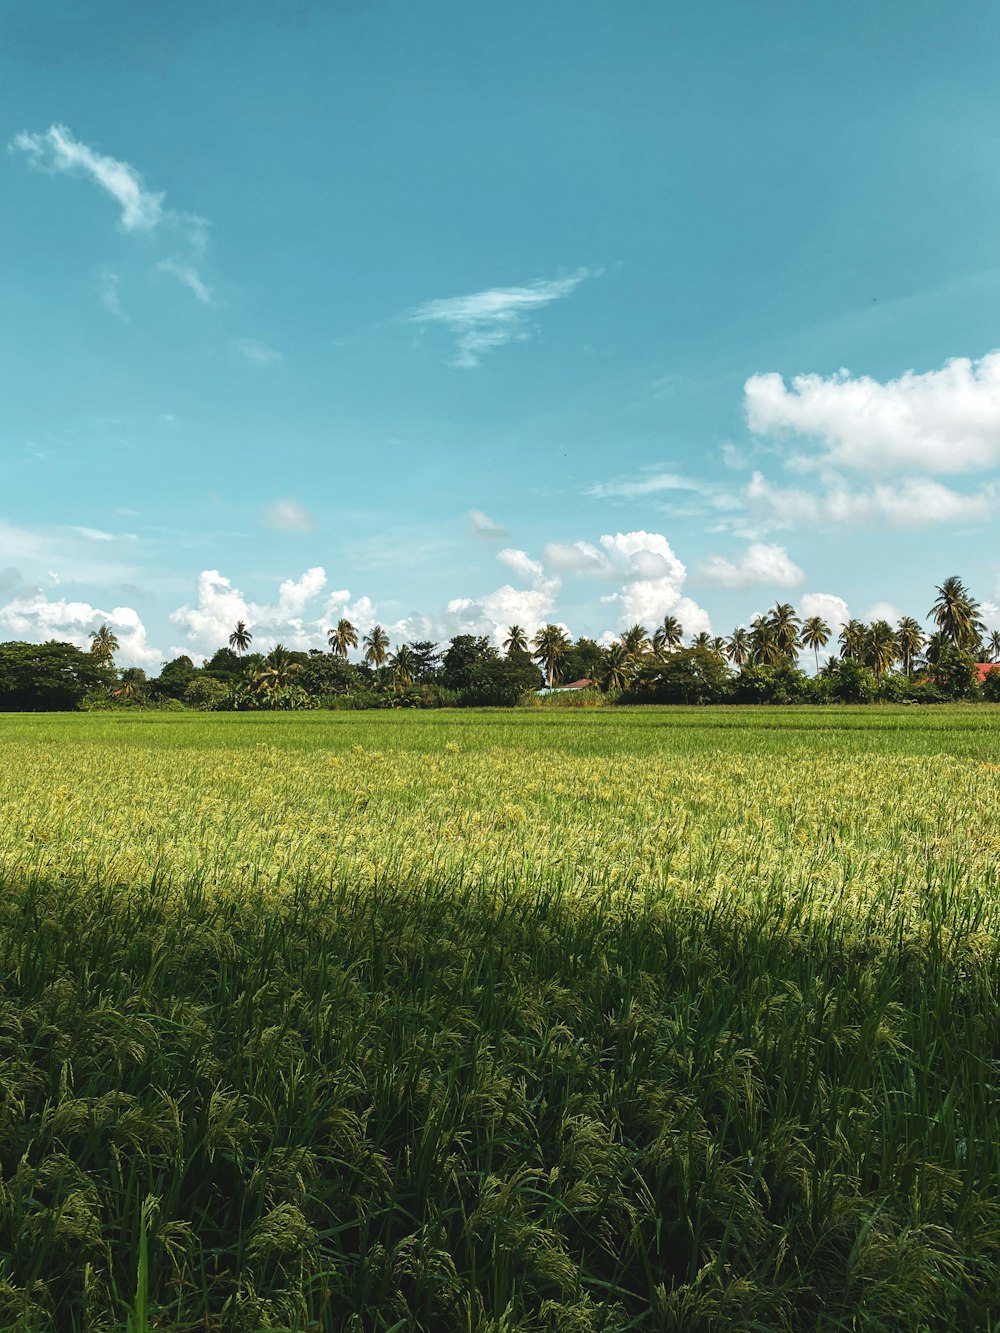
pixel 666 1019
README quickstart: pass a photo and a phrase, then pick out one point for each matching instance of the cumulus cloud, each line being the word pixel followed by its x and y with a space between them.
pixel 289 516
pixel 482 525
pixel 576 558
pixel 909 503
pixel 759 563
pixel 521 563
pixel 653 577
pixel 34 617
pixel 828 607
pixel 939 421
pixel 219 605
pixel 483 321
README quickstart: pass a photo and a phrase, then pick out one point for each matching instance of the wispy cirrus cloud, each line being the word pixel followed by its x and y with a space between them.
pixel 57 152
pixel 289 516
pixel 259 353
pixel 483 321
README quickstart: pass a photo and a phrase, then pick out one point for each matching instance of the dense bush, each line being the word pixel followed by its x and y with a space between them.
pixel 687 676
pixel 991 686
pixel 48 677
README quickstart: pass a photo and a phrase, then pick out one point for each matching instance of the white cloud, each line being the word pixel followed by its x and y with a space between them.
pixel 219 605
pixel 521 563
pixel 652 483
pixel 258 353
pixel 483 526
pixel 945 420
pixel 188 275
pixel 576 558
pixel 883 611
pixel 911 502
pixel 828 607
pixel 56 150
pixel 485 320
pixel 289 516
pixel 94 534
pixel 653 579
pixel 108 292
pixel 759 563
pixel 38 618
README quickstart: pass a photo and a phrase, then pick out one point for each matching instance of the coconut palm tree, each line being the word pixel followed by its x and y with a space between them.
pixel 764 650
pixel 785 624
pixel 516 640
pixel 881 647
pixel 241 638
pixel 342 639
pixel 279 670
pixel 404 665
pixel 550 645
pixel 636 641
pixel 738 646
pixel 956 614
pixel 104 644
pixel 909 642
pixel 617 668
pixel 133 683
pixel 852 640
pixel 815 635
pixel 992 646
pixel 702 640
pixel 376 643
pixel 668 636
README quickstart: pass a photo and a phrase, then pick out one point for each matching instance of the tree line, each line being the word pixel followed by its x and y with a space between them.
pixel 756 663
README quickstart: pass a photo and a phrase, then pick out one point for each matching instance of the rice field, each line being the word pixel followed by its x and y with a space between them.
pixel 668 1019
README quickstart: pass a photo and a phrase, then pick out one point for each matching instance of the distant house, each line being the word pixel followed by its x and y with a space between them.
pixel 983 667
pixel 583 684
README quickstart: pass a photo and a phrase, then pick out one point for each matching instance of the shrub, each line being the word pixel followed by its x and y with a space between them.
pixel 991 685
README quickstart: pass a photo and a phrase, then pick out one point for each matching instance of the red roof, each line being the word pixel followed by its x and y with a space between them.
pixel 983 667
pixel 581 684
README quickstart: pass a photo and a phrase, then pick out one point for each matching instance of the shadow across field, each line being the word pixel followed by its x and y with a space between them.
pixel 445 1110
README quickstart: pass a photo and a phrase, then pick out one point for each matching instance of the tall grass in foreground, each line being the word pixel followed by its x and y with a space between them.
pixel 457 1111
pixel 491 1024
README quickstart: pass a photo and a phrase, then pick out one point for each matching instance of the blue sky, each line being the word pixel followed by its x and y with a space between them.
pixel 458 315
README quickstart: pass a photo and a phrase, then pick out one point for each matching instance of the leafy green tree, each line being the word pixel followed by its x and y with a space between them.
pixel 426 660
pixel 851 682
pixel 909 642
pixel 174 678
pixel 343 638
pixel 500 682
pixel 224 662
pixel 326 675
pixel 206 693
pixel 104 644
pixel 376 643
pixel 686 676
pixel 550 645
pixel 956 615
pixel 584 660
pixel 815 635
pixel 464 654
pixel 48 677
pixel 241 638
pixel 954 672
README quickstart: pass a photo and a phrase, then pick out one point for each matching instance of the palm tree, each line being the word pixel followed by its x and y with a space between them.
pixel 881 647
pixel 133 683
pixel 785 624
pixel 909 641
pixel 376 643
pixel 956 615
pixel 702 640
pixel 992 646
pixel 404 665
pixel 764 650
pixel 550 645
pixel 343 638
pixel 104 644
pixel 815 635
pixel 636 641
pixel 617 668
pixel 852 640
pixel 668 636
pixel 738 646
pixel 516 640
pixel 279 670
pixel 241 638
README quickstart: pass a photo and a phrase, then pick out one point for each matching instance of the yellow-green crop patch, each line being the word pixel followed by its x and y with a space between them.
pixel 610 1020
